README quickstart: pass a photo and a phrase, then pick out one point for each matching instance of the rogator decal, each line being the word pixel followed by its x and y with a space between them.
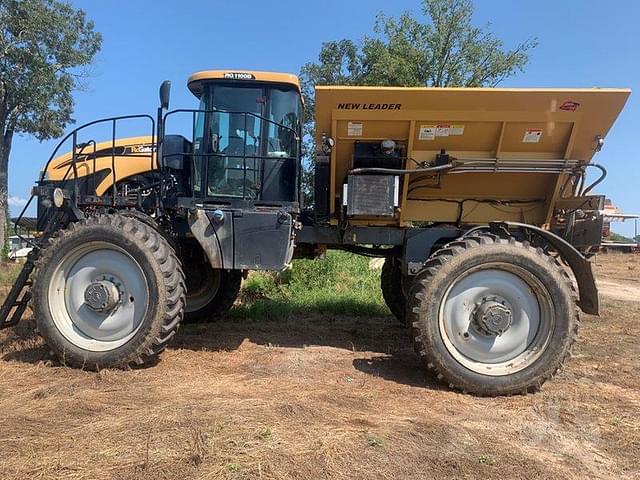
pixel 239 76
pixel 369 106
pixel 143 150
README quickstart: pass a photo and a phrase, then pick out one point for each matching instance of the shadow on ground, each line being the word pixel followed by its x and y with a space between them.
pixel 382 334
pixel 401 367
pixel 383 337
pixel 23 344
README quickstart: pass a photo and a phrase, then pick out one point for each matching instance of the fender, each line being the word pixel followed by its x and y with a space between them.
pixel 203 231
pixel 580 266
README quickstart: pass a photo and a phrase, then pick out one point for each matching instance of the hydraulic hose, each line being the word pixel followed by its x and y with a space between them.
pixel 393 171
pixel 598 181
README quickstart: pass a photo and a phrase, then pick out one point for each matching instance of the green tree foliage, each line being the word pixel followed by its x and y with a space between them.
pixel 441 48
pixel 45 46
pixel 616 237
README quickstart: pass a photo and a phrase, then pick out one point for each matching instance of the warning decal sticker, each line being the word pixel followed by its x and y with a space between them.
pixel 442 130
pixel 456 130
pixel 427 132
pixel 354 129
pixel 532 135
pixel 430 132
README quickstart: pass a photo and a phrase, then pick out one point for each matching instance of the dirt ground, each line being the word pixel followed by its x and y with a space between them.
pixel 322 397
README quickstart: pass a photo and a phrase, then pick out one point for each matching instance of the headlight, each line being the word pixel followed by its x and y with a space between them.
pixel 58 197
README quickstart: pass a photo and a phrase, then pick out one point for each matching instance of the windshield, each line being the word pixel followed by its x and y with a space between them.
pixel 250 144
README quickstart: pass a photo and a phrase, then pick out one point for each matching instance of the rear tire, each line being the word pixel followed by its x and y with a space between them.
pixel 391 285
pixel 210 292
pixel 108 292
pixel 492 316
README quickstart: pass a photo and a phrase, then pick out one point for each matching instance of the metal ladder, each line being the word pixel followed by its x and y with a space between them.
pixel 18 299
pixel 20 294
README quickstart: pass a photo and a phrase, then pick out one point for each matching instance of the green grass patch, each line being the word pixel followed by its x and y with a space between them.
pixel 342 283
pixel 8 273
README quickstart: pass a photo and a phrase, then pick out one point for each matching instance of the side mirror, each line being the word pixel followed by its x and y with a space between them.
pixel 165 94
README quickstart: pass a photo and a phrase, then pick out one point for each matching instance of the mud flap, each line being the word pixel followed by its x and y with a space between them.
pixel 204 232
pixel 581 267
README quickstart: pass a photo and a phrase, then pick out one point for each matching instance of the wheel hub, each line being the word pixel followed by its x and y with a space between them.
pixel 102 296
pixel 493 317
pixel 496 318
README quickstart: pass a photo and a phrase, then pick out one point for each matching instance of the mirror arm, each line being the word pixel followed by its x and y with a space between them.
pixel 165 94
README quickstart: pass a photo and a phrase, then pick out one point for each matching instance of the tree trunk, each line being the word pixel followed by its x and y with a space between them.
pixel 5 150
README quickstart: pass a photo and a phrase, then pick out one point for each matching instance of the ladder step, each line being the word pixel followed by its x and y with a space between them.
pixel 13 300
pixel 25 299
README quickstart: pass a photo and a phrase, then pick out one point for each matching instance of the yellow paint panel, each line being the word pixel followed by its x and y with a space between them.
pixel 553 138
pixel 138 159
pixel 531 125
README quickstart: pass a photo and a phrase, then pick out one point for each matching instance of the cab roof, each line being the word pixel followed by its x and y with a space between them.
pixel 196 80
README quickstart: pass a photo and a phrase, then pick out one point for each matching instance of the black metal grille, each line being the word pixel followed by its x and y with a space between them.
pixel 371 195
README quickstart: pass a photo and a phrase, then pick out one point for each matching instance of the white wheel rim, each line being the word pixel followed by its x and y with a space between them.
pixel 80 324
pixel 488 352
pixel 201 297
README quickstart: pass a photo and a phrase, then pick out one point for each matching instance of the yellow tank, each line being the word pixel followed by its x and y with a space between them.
pixel 510 150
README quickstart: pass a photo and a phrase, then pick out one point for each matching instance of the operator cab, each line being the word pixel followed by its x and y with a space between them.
pixel 247 134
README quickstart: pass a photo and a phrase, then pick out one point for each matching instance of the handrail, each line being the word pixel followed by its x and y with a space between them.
pixel 73 134
pixel 95 122
pixel 17 224
pixel 244 156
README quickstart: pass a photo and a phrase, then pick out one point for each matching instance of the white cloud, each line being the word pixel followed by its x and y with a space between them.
pixel 16 201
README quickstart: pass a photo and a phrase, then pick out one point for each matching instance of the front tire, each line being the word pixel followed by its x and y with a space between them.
pixel 210 292
pixel 492 316
pixel 108 292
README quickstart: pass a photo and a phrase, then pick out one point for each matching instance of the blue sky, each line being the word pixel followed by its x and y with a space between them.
pixel 583 43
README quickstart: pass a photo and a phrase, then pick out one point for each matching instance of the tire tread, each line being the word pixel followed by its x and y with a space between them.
pixel 172 282
pixel 415 306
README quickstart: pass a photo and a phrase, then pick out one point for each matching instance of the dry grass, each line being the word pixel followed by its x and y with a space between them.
pixel 318 397
pixel 624 267
pixel 8 272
